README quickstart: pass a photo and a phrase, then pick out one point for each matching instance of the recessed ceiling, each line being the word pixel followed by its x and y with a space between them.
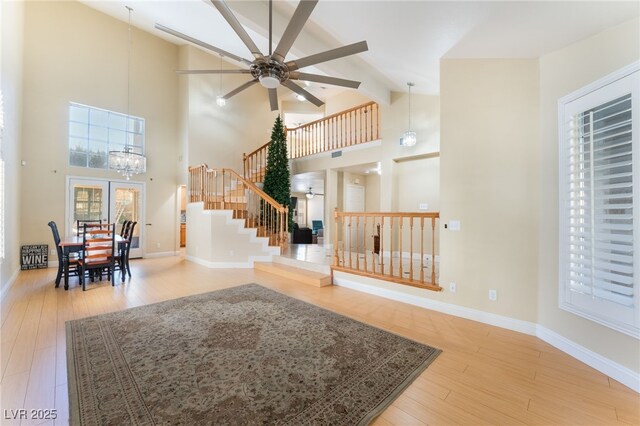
pixel 406 39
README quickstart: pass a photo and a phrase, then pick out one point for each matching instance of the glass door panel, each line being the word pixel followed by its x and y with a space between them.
pixel 88 200
pixel 126 204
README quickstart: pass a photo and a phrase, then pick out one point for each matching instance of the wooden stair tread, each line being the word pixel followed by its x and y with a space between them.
pixel 316 279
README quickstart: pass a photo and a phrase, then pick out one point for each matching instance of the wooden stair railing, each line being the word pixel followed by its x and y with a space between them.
pixel 397 247
pixel 255 164
pixel 341 130
pixel 224 189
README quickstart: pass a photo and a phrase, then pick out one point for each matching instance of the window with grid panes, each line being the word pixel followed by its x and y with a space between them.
pixel 599 171
pixel 93 132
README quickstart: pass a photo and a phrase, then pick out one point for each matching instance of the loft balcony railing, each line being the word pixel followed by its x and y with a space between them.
pixel 224 189
pixel 396 247
pixel 347 128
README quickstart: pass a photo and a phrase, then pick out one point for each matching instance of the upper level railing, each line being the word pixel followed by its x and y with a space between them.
pixel 397 247
pixel 224 189
pixel 341 130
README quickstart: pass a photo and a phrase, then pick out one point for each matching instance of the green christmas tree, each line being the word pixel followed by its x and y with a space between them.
pixel 277 179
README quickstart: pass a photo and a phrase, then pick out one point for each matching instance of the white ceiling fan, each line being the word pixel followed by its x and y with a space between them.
pixel 272 70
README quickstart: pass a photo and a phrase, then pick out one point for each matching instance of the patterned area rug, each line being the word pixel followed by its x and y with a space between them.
pixel 242 356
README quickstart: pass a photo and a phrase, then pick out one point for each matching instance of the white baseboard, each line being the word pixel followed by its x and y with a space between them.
pixel 604 365
pixel 612 369
pixel 447 308
pixel 161 254
pixel 227 265
pixel 9 284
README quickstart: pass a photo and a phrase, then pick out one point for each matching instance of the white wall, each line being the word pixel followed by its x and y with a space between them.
pixel 561 73
pixel 11 30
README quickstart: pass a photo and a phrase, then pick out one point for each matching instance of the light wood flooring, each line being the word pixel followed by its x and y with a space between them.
pixel 486 375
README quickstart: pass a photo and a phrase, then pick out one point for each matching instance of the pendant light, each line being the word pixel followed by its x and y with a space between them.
pixel 127 162
pixel 309 194
pixel 409 137
pixel 220 100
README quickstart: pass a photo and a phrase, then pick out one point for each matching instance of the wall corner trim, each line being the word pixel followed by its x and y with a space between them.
pixel 612 369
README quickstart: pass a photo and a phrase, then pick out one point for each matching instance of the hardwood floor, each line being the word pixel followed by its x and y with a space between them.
pixel 486 375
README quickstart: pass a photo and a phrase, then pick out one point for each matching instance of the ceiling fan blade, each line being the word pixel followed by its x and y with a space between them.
pixel 273 99
pixel 240 89
pixel 300 91
pixel 213 71
pixel 228 15
pixel 202 44
pixel 299 18
pixel 324 79
pixel 329 55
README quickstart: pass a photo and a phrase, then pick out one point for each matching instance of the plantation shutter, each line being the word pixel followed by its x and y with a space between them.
pixel 601 194
pixel 600 170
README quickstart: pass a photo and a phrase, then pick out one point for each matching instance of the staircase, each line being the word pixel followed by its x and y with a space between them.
pixel 222 202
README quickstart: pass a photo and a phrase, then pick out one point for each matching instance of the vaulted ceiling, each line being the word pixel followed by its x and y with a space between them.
pixel 406 39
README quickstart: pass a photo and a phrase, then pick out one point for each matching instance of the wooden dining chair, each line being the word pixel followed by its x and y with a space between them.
pixel 73 260
pixel 99 252
pixel 122 262
pixel 81 222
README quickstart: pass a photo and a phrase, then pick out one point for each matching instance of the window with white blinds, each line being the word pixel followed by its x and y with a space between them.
pixel 599 185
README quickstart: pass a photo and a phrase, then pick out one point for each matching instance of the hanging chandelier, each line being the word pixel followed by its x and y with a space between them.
pixel 409 138
pixel 127 162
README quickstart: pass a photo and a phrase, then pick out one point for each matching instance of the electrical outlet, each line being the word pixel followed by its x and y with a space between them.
pixel 493 295
pixel 158 245
pixel 452 287
pixel 423 206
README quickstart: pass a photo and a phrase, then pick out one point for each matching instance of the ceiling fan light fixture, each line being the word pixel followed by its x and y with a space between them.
pixel 221 101
pixel 309 194
pixel 301 98
pixel 269 81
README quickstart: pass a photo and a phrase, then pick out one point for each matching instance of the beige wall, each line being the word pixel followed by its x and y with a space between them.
pixel 74 53
pixel 11 39
pixel 372 193
pixel 219 135
pixel 561 73
pixel 489 181
pixel 416 182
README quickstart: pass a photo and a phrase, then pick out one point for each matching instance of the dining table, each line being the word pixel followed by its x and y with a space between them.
pixel 73 244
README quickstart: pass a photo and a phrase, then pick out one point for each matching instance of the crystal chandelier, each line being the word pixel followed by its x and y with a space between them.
pixel 127 162
pixel 409 137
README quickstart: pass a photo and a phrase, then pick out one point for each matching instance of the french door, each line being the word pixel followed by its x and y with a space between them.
pixel 111 201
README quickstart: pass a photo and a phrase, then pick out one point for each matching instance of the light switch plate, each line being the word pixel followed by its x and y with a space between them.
pixel 454 225
pixel 423 206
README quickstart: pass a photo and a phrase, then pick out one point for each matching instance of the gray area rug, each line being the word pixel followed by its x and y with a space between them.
pixel 241 356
